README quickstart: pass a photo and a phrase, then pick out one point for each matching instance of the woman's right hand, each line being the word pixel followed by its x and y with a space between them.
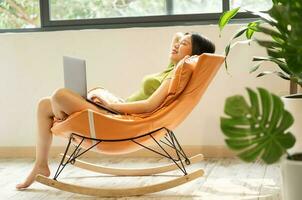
pixel 182 61
pixel 97 99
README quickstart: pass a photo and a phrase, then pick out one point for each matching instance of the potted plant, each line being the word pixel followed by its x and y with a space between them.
pixel 259 129
pixel 282 25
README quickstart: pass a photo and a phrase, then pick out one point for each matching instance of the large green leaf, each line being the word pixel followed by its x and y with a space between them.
pixel 226 16
pixel 258 129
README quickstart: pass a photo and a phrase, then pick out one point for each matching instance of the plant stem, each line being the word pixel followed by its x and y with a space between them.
pixel 293 87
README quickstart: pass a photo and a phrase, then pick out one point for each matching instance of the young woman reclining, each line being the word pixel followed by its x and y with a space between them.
pixel 154 90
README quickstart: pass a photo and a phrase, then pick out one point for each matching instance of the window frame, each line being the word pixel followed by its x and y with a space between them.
pixel 128 22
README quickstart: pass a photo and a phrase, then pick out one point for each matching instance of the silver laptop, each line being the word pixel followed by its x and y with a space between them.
pixel 75 75
pixel 75 78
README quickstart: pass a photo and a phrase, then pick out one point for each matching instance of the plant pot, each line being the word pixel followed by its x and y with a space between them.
pixel 293 103
pixel 291 178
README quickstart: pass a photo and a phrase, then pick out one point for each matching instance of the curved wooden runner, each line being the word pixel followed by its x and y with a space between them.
pixel 113 192
pixel 132 172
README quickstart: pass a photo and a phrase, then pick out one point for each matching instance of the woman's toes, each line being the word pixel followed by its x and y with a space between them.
pixel 31 177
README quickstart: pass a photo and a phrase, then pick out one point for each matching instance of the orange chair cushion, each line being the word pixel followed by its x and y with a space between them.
pixel 180 79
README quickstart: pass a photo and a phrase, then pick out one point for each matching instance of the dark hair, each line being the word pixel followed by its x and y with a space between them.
pixel 201 44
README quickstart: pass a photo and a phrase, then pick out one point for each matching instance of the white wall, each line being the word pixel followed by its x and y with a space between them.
pixel 31 68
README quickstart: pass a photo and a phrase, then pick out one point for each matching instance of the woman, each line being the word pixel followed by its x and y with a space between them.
pixel 64 102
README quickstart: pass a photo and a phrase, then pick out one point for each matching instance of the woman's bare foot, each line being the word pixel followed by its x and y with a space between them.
pixel 44 170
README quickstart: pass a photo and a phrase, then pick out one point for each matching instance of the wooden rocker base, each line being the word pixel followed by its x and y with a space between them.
pixel 111 192
pixel 132 172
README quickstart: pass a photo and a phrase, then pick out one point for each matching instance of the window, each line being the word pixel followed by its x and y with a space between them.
pixel 252 4
pixel 90 9
pixel 77 14
pixel 19 14
pixel 196 6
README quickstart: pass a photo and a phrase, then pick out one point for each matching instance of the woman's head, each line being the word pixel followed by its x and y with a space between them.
pixel 191 44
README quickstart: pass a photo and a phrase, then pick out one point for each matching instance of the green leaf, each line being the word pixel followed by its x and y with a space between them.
pixel 239 144
pixel 258 129
pixel 280 74
pixel 227 49
pixel 249 33
pixel 239 132
pixel 268 31
pixel 255 67
pixel 286 122
pixel 277 112
pixel 255 110
pixel 251 154
pixel 268 44
pixel 236 106
pixel 278 39
pixel 273 152
pixel 266 104
pixel 264 16
pixel 251 29
pixel 226 16
pixel 279 62
pixel 234 121
pixel 287 141
pixel 275 53
pixel 239 32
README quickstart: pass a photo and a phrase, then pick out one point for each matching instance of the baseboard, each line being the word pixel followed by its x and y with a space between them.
pixel 210 151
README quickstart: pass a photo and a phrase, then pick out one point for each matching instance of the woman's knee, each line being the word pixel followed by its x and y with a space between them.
pixel 59 94
pixel 44 105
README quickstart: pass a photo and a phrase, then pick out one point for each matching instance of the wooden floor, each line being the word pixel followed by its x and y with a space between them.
pixel 224 179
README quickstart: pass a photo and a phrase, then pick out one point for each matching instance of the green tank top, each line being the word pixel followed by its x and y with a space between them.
pixel 150 83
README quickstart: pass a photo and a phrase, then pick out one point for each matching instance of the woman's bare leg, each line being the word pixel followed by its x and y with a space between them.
pixel 65 102
pixel 62 103
pixel 44 120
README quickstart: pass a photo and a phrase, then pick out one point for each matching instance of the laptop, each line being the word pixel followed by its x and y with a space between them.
pixel 75 79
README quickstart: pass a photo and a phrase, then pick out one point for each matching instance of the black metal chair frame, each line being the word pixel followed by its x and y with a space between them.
pixel 170 138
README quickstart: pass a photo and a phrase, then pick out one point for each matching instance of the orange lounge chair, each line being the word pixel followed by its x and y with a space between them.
pixel 120 134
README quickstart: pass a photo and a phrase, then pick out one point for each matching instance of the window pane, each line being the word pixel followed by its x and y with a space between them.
pixel 259 5
pixel 197 6
pixel 89 9
pixel 19 14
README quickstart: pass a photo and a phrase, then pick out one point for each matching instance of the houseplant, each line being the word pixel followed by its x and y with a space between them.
pixel 282 25
pixel 260 130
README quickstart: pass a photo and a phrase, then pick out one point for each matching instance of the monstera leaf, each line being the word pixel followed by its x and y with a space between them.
pixel 257 130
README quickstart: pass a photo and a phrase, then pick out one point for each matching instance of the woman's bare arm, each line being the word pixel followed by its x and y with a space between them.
pixel 146 105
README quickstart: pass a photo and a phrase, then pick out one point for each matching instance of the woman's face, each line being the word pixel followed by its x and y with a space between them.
pixel 181 49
